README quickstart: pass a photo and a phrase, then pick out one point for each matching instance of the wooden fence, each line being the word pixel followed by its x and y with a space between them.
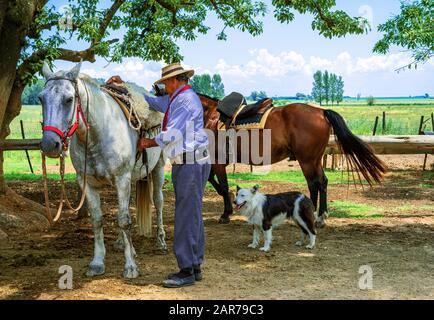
pixel 413 144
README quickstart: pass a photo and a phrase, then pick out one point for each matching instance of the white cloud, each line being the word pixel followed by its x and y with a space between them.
pixel 96 73
pixel 285 63
pixel 138 71
pixel 263 64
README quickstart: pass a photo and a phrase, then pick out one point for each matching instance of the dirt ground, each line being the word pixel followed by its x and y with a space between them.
pixel 399 247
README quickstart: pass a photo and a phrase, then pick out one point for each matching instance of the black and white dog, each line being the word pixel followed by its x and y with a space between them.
pixel 266 211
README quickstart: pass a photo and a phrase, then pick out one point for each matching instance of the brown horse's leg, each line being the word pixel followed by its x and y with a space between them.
pixel 322 187
pixel 309 172
pixel 317 184
pixel 220 172
pixel 214 183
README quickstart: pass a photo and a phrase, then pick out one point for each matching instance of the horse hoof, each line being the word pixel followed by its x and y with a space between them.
pixel 95 270
pixel 162 248
pixel 224 220
pixel 131 272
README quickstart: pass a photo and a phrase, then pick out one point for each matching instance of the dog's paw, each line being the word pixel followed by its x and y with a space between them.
pixel 299 243
pixel 265 249
pixel 310 246
pixel 252 245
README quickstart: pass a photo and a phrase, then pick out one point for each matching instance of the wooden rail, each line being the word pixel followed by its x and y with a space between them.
pixel 20 144
pixel 412 144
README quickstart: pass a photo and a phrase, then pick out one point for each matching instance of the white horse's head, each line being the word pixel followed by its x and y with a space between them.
pixel 58 107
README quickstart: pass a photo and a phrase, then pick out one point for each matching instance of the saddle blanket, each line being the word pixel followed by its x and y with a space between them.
pixel 256 121
pixel 130 98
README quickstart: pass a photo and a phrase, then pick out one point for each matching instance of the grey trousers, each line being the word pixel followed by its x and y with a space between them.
pixel 189 182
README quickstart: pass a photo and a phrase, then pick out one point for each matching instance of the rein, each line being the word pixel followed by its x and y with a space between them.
pixel 72 128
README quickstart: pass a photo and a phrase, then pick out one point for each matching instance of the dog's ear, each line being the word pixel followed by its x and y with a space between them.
pixel 255 188
pixel 238 188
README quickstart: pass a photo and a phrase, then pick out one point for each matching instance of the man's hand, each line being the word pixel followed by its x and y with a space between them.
pixel 146 143
pixel 159 92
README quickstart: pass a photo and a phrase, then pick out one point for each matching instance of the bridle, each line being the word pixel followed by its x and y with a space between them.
pixel 68 133
pixel 65 136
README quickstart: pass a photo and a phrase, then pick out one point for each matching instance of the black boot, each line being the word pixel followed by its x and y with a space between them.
pixel 185 277
pixel 196 270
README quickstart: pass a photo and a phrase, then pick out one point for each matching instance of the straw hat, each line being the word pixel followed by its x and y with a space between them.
pixel 173 70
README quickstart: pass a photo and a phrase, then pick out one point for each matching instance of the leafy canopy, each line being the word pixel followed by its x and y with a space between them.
pixel 152 28
pixel 412 29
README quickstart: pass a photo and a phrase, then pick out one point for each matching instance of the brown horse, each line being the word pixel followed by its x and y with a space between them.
pixel 300 131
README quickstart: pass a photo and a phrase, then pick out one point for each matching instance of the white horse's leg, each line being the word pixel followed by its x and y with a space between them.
pixel 119 243
pixel 96 267
pixel 158 181
pixel 123 188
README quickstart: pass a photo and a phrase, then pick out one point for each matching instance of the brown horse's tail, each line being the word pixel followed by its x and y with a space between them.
pixel 357 152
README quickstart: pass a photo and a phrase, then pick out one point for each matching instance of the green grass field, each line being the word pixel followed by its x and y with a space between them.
pixel 402 116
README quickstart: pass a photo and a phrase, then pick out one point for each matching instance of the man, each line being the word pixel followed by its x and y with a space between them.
pixel 185 142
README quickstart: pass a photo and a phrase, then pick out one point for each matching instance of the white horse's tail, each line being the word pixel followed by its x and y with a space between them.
pixel 144 204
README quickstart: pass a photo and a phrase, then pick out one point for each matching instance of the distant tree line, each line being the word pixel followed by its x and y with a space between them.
pixel 327 87
pixel 31 92
pixel 210 86
pixel 256 96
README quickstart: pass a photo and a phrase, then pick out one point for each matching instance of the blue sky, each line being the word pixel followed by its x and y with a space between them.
pixel 282 60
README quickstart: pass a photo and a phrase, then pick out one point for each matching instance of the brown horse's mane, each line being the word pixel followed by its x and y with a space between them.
pixel 208 97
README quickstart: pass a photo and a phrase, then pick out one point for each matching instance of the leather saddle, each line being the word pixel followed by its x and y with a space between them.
pixel 235 110
pixel 116 84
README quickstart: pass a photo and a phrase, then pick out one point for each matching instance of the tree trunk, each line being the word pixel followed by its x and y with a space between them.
pixel 15 19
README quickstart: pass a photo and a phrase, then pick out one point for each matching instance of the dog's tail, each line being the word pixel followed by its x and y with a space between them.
pixel 359 155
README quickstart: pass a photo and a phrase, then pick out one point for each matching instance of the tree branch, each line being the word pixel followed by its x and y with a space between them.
pixel 330 24
pixel 170 8
pixel 107 19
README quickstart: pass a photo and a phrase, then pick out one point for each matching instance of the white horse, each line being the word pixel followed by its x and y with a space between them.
pixel 111 153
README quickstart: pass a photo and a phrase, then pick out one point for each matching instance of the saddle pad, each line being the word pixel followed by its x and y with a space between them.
pixel 256 121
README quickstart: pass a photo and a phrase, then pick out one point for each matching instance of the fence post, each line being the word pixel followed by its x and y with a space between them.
pixel 324 162
pixel 27 151
pixel 384 122
pixel 420 125
pixel 375 125
pixel 432 121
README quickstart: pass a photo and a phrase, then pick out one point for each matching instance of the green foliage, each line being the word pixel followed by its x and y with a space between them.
pixel 317 91
pixel 339 90
pixel 327 87
pixel 411 29
pixel 31 92
pixel 256 96
pixel 301 96
pixel 329 23
pixel 370 101
pixel 153 28
pixel 210 86
pixel 217 86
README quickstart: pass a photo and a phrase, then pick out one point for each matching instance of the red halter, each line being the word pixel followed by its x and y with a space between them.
pixel 79 113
